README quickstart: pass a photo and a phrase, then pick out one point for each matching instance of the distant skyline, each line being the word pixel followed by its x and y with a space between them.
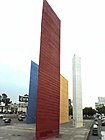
pixel 82 33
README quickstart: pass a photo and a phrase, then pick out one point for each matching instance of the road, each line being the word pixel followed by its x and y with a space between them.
pixel 100 128
pixel 16 130
pixel 19 130
pixel 14 120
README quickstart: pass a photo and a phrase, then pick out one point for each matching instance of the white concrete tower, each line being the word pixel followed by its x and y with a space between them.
pixel 77 92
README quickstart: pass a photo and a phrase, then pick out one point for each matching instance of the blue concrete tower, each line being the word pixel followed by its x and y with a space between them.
pixel 33 87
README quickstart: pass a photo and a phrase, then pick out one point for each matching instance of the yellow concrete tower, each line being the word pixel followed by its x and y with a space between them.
pixel 64 105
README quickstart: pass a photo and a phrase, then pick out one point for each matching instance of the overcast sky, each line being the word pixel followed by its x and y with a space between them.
pixel 82 33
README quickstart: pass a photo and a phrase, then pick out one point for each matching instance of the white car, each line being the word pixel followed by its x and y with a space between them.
pixel 102 135
pixel 7 120
pixel 95 130
pixel 99 117
pixel 95 126
pixel 4 119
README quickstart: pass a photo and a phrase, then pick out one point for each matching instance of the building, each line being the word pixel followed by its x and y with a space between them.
pixel 77 92
pixel 97 105
pixel 64 104
pixel 101 100
pixel 23 104
pixel 2 107
pixel 100 103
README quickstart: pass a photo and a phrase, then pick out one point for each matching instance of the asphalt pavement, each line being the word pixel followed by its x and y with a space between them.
pixel 17 130
pixel 96 137
pixel 22 131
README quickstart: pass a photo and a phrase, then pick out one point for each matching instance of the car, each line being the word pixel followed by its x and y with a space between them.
pixel 96 119
pixel 20 118
pixel 99 117
pixel 103 123
pixel 7 120
pixel 96 123
pixel 1 115
pixel 102 120
pixel 102 135
pixel 95 130
pixel 4 118
pixel 23 116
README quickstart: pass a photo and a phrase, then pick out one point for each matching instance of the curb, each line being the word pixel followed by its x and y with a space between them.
pixel 89 131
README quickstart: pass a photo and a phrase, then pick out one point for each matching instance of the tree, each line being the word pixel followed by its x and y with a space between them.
pixel 0 103
pixel 101 110
pixel 5 100
pixel 4 95
pixel 89 111
pixel 0 99
pixel 70 110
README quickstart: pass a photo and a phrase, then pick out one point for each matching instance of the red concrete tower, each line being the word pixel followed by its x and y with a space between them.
pixel 48 99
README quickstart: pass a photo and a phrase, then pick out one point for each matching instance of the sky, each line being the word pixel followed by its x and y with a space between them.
pixel 82 33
